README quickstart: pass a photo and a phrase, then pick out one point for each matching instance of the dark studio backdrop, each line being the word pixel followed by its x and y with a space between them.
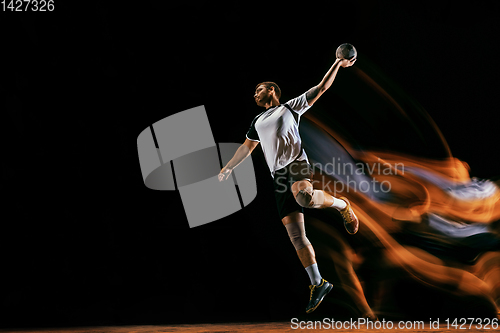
pixel 84 242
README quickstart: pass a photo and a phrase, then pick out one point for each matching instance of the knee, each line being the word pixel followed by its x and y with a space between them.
pixel 308 197
pixel 297 233
pixel 304 196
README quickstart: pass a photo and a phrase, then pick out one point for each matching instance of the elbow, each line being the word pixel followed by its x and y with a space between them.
pixel 248 146
pixel 322 88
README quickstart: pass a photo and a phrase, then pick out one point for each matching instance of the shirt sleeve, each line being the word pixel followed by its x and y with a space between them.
pixel 299 104
pixel 252 132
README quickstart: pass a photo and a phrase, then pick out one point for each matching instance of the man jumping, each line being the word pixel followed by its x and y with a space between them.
pixel 277 129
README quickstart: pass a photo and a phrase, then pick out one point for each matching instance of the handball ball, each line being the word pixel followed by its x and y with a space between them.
pixel 346 51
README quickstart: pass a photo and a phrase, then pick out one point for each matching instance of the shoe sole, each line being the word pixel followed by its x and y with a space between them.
pixel 321 300
pixel 349 232
pixel 345 226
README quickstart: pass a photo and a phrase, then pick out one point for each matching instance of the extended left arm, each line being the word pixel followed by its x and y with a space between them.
pixel 315 92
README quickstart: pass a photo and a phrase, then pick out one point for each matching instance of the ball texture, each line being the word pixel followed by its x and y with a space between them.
pixel 346 51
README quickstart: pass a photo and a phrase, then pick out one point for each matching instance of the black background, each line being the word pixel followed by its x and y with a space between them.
pixel 85 242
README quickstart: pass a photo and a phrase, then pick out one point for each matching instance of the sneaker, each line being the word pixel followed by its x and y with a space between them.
pixel 317 294
pixel 351 221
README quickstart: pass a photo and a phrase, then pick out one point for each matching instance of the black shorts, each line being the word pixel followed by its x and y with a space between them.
pixel 283 180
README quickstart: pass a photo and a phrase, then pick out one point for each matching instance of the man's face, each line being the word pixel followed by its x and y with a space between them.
pixel 262 95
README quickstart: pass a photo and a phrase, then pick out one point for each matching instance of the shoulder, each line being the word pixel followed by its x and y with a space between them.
pixel 299 104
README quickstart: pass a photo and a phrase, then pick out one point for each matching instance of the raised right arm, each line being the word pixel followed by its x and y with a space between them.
pixel 315 92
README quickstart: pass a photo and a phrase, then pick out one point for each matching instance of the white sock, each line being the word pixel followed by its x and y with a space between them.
pixel 314 275
pixel 338 204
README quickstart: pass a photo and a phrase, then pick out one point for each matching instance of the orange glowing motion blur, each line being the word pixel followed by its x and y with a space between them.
pixel 426 195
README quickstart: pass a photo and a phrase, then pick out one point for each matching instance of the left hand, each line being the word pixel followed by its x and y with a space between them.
pixel 347 63
pixel 224 173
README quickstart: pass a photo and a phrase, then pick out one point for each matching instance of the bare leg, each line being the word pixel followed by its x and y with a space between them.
pixel 330 201
pixel 308 197
pixel 319 287
pixel 306 255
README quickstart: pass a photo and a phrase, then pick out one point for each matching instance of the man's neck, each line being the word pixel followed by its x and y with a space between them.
pixel 274 102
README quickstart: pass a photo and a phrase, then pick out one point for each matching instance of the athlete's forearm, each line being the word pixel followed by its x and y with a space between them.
pixel 240 155
pixel 329 76
pixel 315 92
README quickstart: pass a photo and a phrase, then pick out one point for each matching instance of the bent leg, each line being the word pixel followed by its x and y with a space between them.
pixel 308 197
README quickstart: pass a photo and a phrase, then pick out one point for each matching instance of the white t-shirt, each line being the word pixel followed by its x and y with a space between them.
pixel 277 130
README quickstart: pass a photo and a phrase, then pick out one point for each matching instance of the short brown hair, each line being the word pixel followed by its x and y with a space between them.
pixel 268 85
